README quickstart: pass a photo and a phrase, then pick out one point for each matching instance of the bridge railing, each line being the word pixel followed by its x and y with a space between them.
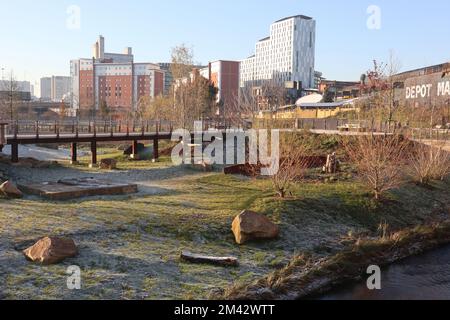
pixel 74 127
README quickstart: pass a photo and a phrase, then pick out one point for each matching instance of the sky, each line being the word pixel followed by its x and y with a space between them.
pixel 39 38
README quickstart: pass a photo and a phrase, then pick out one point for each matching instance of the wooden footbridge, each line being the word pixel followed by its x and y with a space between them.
pixel 74 132
pixel 93 132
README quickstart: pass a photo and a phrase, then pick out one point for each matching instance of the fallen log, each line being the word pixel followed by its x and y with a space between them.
pixel 196 258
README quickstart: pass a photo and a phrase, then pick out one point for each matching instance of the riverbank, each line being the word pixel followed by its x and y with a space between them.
pixel 304 277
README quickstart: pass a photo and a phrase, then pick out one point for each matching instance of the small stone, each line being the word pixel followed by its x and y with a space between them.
pixel 10 190
pixel 108 164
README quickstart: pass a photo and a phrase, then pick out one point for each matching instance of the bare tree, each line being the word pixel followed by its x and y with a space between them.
pixel 442 168
pixel 194 99
pixel 379 86
pixel 273 95
pixel 157 108
pixel 182 61
pixel 240 110
pixel 429 162
pixel 10 96
pixel 293 163
pixel 379 161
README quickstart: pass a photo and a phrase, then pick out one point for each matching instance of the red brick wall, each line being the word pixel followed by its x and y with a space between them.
pixel 229 81
pixel 86 89
pixel 116 91
pixel 159 83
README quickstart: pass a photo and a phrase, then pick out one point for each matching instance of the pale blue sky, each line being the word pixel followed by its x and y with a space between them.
pixel 35 41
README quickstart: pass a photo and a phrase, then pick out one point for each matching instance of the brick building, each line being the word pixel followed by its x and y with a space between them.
pixel 225 77
pixel 114 79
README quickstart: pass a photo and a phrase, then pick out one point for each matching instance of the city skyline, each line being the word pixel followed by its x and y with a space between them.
pixel 339 54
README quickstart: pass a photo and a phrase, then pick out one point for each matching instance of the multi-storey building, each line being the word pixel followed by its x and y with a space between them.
pixel 224 75
pixel 114 79
pixel 168 77
pixel 55 88
pixel 287 55
pixel 19 86
pixel 46 89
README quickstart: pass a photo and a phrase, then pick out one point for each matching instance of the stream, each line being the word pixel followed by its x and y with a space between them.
pixel 424 277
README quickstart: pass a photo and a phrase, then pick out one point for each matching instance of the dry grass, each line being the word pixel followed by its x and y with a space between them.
pixel 429 163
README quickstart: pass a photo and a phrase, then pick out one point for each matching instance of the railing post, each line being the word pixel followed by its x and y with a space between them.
pixel 77 129
pixel 95 128
pixel 128 127
pixel 155 150
pixel 73 151
pixel 37 129
pixel 14 152
pixel 57 130
pixel 16 129
pixel 93 153
pixel 111 127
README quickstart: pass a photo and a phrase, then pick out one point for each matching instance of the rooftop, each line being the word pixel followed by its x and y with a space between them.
pixel 297 16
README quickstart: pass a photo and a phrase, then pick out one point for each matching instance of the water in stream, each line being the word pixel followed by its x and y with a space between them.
pixel 425 277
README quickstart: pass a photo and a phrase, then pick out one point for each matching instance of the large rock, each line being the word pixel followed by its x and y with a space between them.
pixel 51 250
pixel 108 164
pixel 250 225
pixel 10 190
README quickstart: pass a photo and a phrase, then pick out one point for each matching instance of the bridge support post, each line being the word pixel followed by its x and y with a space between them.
pixel 73 153
pixel 14 153
pixel 93 154
pixel 155 150
pixel 134 150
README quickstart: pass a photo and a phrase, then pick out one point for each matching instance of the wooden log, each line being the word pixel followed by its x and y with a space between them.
pixel 221 261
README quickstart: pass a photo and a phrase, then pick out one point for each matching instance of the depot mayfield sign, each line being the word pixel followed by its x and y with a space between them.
pixel 430 90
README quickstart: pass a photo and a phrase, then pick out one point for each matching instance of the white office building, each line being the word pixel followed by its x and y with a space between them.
pixel 60 88
pixel 287 55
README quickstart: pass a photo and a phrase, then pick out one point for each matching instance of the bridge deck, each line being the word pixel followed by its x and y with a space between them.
pixel 85 137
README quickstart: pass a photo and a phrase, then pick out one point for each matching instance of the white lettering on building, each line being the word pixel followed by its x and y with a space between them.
pixel 443 88
pixel 419 91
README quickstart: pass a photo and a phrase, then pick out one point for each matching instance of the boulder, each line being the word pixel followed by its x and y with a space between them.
pixel 51 250
pixel 250 225
pixel 108 164
pixel 10 190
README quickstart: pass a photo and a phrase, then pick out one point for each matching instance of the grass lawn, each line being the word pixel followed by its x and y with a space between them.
pixel 130 245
